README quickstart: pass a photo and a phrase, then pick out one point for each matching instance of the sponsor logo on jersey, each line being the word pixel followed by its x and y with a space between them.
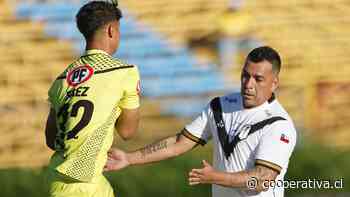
pixel 79 75
pixel 231 100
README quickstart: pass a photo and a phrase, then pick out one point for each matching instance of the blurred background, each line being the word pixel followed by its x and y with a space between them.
pixel 188 51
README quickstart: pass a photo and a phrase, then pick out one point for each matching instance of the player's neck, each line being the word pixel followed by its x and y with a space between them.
pixel 100 46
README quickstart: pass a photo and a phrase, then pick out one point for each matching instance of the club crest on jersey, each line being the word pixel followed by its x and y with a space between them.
pixel 221 124
pixel 79 75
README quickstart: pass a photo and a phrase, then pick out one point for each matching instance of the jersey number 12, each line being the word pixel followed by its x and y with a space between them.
pixel 63 113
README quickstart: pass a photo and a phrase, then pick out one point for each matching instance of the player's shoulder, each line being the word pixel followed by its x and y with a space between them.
pixel 276 109
pixel 121 63
pixel 103 62
pixel 107 62
pixel 131 69
pixel 285 122
pixel 285 128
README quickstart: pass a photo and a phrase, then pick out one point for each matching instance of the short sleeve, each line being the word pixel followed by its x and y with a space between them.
pixel 199 128
pixel 132 89
pixel 276 145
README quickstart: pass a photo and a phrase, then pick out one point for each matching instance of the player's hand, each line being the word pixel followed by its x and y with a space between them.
pixel 203 175
pixel 116 160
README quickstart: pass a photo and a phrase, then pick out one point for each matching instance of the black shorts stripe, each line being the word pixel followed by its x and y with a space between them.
pixel 188 135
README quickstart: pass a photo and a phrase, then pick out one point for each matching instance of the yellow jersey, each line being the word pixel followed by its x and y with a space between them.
pixel 87 98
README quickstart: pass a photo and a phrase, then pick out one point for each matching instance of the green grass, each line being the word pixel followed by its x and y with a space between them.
pixel 313 161
pixel 23 182
pixel 169 178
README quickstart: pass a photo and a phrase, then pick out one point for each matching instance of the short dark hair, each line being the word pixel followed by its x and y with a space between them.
pixel 94 15
pixel 266 53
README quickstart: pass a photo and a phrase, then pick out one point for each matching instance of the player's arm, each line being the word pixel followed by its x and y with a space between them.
pixel 128 123
pixel 167 148
pixel 160 150
pixel 256 178
pixel 193 134
pixel 51 129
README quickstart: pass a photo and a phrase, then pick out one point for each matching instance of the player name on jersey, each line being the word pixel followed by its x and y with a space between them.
pixel 81 91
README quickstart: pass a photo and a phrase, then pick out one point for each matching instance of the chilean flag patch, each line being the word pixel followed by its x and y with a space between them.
pixel 284 138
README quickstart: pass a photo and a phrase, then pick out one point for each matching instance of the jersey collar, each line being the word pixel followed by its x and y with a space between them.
pixel 262 106
pixel 95 51
pixel 257 108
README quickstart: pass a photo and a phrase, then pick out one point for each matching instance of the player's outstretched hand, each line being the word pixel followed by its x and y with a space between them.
pixel 203 175
pixel 116 160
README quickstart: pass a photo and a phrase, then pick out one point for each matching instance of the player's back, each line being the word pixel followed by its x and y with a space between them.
pixel 87 98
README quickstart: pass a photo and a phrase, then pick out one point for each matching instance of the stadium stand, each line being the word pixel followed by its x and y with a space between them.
pixel 166 69
pixel 29 62
pixel 181 20
pixel 312 36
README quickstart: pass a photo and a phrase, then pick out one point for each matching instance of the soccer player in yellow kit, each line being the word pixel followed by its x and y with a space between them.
pixel 93 96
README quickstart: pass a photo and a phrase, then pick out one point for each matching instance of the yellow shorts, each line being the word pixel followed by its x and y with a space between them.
pixel 63 186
